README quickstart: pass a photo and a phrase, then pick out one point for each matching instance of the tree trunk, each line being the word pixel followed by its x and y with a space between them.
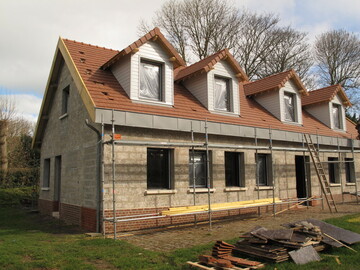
pixel 3 148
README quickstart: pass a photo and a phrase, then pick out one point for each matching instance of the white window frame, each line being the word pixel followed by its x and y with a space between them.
pixel 339 115
pixel 289 94
pixel 228 82
pixel 160 97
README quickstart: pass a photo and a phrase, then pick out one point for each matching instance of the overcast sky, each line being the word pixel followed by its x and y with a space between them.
pixel 29 30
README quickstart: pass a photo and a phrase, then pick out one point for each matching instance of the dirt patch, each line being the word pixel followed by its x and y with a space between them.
pixel 168 240
pixel 99 264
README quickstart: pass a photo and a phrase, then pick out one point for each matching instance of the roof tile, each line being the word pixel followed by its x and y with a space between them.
pixel 185 104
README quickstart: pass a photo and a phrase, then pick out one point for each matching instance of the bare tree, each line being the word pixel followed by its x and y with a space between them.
pixel 197 28
pixel 337 55
pixel 255 41
pixel 290 51
pixel 7 112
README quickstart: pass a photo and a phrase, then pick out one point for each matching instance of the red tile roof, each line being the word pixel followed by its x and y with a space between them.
pixel 208 63
pixel 274 82
pixel 106 92
pixel 325 94
pixel 155 35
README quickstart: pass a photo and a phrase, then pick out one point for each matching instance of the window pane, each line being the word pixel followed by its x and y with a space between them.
pixel 262 167
pixel 336 116
pixel 46 176
pixel 158 168
pixel 150 84
pixel 333 170
pixel 221 94
pixel 65 100
pixel 198 166
pixel 233 167
pixel 349 170
pixel 289 100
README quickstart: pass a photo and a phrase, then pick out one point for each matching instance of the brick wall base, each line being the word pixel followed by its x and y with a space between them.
pixel 47 207
pixel 177 220
pixel 70 214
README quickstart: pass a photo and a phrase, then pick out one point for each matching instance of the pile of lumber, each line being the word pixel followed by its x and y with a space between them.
pixel 301 241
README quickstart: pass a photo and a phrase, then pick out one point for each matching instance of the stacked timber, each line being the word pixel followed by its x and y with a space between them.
pixel 273 245
pixel 218 206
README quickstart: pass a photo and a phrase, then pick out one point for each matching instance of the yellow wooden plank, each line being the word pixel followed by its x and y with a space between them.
pixel 219 206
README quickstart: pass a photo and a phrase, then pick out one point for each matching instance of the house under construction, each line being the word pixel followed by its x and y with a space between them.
pixel 137 139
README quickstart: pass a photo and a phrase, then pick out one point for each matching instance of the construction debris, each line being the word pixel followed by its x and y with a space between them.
pixel 301 241
pixel 304 255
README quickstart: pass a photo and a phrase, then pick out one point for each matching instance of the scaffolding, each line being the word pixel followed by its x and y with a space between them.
pixel 206 145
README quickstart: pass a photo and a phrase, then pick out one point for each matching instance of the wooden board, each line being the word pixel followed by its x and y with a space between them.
pixel 304 255
pixel 346 236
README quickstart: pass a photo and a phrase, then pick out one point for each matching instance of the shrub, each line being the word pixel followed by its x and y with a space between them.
pixel 20 177
pixel 18 196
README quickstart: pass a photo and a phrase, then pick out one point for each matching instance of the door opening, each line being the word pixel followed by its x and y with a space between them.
pixel 302 167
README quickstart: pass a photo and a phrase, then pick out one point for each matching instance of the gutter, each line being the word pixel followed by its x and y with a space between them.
pixel 98 173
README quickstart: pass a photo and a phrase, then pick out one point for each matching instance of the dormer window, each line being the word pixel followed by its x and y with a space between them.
pixel 336 114
pixel 150 80
pixel 289 105
pixel 222 94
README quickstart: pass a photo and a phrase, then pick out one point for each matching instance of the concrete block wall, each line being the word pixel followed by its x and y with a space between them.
pixel 131 178
pixel 69 137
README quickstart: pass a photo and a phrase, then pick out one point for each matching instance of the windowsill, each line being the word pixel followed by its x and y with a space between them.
pixel 200 190
pixel 335 185
pixel 339 130
pixel 264 188
pixel 45 189
pixel 225 113
pixel 63 116
pixel 152 102
pixel 350 184
pixel 292 123
pixel 160 191
pixel 231 189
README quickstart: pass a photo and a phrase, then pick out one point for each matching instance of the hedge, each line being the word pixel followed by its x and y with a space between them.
pixel 20 177
pixel 18 196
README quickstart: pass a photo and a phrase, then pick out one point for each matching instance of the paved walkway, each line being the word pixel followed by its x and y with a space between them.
pixel 171 239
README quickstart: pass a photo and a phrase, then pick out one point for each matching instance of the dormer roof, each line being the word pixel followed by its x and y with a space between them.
pixel 274 82
pixel 208 63
pixel 154 35
pixel 326 94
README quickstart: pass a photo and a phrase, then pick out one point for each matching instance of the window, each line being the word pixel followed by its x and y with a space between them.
pixel 263 169
pixel 65 100
pixel 46 175
pixel 197 169
pixel 333 165
pixel 150 80
pixel 289 106
pixel 158 168
pixel 234 169
pixel 222 94
pixel 349 170
pixel 336 112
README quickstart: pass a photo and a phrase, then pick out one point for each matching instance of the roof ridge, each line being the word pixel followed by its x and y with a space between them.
pixel 88 44
pixel 273 75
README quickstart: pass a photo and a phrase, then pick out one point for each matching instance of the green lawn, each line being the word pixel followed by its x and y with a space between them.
pixel 30 242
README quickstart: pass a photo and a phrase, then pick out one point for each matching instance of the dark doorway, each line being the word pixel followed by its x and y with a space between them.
pixel 302 162
pixel 57 186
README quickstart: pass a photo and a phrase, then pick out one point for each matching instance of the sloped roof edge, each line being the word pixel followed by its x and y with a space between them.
pixel 326 94
pixel 61 56
pixel 275 82
pixel 155 35
pixel 208 63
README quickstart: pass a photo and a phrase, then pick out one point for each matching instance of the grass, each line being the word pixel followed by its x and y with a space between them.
pixel 28 241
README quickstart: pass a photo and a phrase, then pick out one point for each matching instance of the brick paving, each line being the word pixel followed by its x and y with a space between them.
pixel 186 237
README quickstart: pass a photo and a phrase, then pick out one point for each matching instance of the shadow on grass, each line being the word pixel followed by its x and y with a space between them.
pixel 19 219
